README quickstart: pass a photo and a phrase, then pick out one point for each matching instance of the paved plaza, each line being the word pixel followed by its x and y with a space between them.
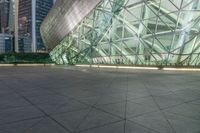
pixel 72 100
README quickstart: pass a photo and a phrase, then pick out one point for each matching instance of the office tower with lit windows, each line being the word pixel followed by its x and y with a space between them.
pixel 31 15
pixel 4 15
pixel 6 26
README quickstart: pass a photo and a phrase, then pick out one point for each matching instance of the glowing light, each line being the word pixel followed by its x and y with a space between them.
pixel 140 68
pixel 119 67
pixel 181 69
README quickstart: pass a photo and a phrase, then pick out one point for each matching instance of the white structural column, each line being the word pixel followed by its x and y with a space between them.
pixel 11 16
pixel 34 42
pixel 16 26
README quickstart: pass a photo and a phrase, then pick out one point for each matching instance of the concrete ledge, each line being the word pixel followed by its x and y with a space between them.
pixel 24 65
pixel 142 68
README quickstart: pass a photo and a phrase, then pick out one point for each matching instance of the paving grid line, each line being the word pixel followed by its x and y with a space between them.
pixel 136 98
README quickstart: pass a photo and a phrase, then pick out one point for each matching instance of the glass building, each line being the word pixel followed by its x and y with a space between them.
pixel 129 32
pixel 6 26
pixel 6 41
pixel 4 15
pixel 31 15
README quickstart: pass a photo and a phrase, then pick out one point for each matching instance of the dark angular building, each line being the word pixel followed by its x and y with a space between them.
pixel 31 15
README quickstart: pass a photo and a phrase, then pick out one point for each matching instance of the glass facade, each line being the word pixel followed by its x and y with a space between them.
pixel 26 27
pixel 63 18
pixel 6 37
pixel 134 32
pixel 4 15
pixel 42 9
pixel 6 41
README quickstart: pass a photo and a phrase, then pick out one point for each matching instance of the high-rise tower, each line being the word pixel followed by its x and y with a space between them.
pixel 4 15
pixel 31 15
pixel 6 37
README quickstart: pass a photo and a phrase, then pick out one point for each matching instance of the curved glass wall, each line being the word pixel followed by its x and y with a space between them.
pixel 138 32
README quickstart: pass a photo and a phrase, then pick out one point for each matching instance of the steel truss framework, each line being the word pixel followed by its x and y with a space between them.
pixel 140 32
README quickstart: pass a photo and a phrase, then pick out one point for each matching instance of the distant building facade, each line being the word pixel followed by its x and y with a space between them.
pixel 31 15
pixel 6 30
pixel 6 41
pixel 4 15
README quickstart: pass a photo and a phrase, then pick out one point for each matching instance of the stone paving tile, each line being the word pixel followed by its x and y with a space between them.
pixel 154 120
pixel 137 93
pixel 135 109
pixel 71 120
pixel 56 108
pixel 19 127
pixel 195 102
pixel 12 100
pixel 183 124
pixel 48 99
pixel 97 118
pixel 132 127
pixel 17 114
pixel 187 95
pixel 117 127
pixel 35 92
pixel 64 99
pixel 91 101
pixel 117 109
pixel 144 101
pixel 186 110
pixel 109 99
pixel 5 89
pixel 165 101
pixel 39 125
pixel 46 125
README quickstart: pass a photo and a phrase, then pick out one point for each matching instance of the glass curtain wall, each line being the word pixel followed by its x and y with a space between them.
pixel 135 32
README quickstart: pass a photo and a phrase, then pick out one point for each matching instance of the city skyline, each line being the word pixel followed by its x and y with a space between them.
pixel 31 15
pixel 6 25
pixel 20 20
pixel 100 66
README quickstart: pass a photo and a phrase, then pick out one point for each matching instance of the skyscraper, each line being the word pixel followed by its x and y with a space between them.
pixel 6 26
pixel 4 15
pixel 31 15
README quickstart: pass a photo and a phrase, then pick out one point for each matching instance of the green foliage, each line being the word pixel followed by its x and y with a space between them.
pixel 25 58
